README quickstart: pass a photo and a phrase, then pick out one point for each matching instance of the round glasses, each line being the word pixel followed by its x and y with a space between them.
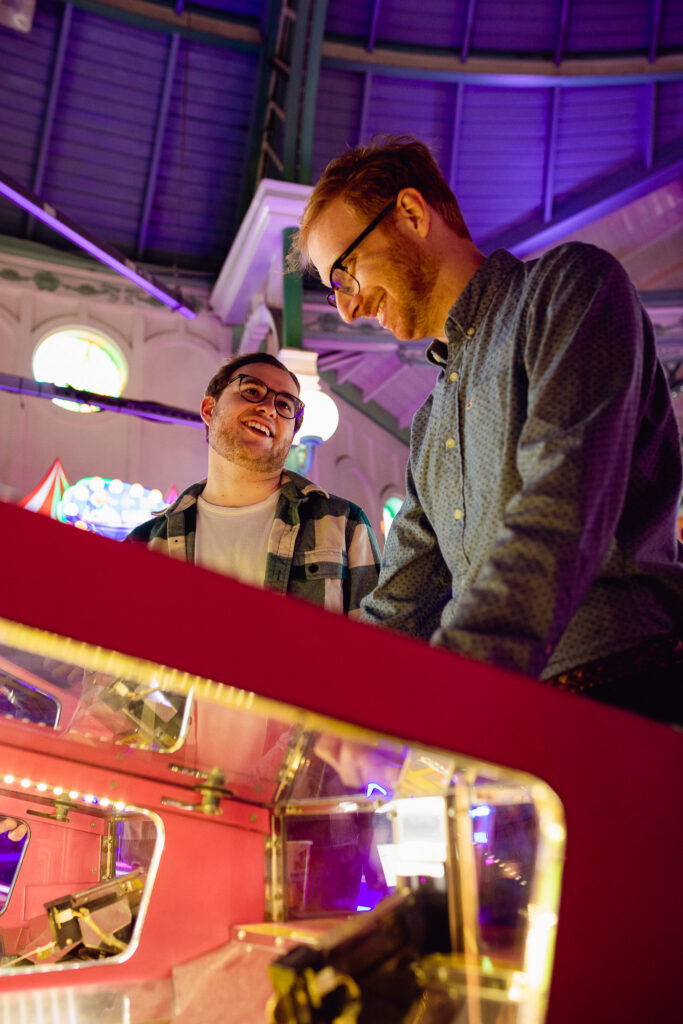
pixel 254 390
pixel 340 278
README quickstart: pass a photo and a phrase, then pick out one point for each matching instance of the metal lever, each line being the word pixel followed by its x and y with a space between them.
pixel 211 791
pixel 62 808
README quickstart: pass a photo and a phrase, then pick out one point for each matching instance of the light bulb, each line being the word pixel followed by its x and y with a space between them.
pixel 321 416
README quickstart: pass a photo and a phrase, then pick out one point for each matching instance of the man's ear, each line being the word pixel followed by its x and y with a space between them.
pixel 414 210
pixel 206 408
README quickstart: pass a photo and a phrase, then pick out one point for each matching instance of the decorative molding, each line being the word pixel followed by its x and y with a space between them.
pixel 255 256
pixel 48 281
pixel 31 265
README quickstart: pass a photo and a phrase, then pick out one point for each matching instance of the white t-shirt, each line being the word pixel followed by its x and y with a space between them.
pixel 234 541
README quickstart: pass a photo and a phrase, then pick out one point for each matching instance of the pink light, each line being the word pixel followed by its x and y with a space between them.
pixel 105 254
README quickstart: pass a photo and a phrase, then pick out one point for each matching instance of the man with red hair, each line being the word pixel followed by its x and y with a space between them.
pixel 538 531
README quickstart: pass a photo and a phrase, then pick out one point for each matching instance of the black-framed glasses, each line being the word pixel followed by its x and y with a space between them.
pixel 340 279
pixel 254 390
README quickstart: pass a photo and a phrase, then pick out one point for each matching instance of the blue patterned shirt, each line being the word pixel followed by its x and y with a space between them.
pixel 539 526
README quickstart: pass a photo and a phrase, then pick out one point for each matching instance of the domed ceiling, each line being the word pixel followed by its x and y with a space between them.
pixel 150 123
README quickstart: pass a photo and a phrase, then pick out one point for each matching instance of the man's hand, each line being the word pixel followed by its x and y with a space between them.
pixel 358 765
pixel 14 829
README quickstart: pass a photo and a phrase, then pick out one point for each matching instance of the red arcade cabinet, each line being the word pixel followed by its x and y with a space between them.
pixel 221 805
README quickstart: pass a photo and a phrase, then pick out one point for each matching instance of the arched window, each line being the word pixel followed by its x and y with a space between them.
pixel 83 358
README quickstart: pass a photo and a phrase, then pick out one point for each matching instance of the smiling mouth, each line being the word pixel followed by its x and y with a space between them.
pixel 258 428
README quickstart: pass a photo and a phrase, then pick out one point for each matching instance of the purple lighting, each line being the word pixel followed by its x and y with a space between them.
pixel 105 254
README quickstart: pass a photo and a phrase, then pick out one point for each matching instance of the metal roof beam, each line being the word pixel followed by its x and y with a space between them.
pixel 655 27
pixel 50 110
pixel 385 381
pixel 374 19
pixel 309 98
pixel 364 107
pixel 512 72
pixel 561 32
pixel 262 108
pixel 102 251
pixel 221 30
pixel 650 137
pixel 457 134
pixel 467 30
pixel 159 132
pixel 585 206
pixel 372 410
pixel 296 84
pixel 551 155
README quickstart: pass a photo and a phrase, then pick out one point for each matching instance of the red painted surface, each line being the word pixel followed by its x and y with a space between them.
pixel 618 776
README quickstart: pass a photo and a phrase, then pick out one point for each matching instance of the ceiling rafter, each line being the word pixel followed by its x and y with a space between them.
pixel 51 107
pixel 551 155
pixel 159 133
pixel 260 109
pixel 585 206
pixel 385 381
pixel 467 30
pixel 562 25
pixel 287 116
pixel 456 135
pixel 353 362
pixel 308 90
pixel 375 412
pixel 650 136
pixel 219 29
pixel 364 107
pixel 374 20
pixel 655 28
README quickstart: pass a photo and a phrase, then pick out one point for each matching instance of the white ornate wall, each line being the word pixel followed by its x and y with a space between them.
pixel 170 359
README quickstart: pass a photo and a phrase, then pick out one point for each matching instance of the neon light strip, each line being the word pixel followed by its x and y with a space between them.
pixel 105 254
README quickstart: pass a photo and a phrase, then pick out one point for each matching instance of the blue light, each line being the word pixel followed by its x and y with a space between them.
pixel 374 787
pixel 482 811
pixel 481 837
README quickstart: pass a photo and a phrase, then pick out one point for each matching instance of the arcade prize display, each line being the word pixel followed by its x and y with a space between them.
pixel 222 806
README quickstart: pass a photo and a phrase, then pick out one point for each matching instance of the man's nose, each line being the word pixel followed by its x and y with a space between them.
pixel 348 306
pixel 267 404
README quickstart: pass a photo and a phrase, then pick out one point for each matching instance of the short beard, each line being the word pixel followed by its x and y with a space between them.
pixel 263 462
pixel 418 276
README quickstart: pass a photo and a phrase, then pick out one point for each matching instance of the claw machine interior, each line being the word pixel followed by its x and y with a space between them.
pixel 221 805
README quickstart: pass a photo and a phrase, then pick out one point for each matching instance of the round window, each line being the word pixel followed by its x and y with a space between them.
pixel 82 358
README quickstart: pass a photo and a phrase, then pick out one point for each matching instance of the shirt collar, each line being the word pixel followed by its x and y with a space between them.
pixel 297 487
pixel 294 487
pixel 473 302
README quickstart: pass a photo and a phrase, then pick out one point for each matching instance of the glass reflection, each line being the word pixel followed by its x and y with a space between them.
pixel 74 883
pixel 13 840
pixel 446 868
pixel 68 698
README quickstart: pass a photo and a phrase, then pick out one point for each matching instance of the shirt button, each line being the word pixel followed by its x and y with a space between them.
pixel 450 443
pixel 470 331
pixel 453 377
pixel 457 514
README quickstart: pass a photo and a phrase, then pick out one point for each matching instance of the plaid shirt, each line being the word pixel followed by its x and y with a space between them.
pixel 538 530
pixel 321 547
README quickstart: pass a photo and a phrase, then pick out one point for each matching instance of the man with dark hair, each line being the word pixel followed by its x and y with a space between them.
pixel 538 531
pixel 252 518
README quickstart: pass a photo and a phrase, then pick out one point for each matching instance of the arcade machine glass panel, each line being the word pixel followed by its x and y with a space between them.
pixel 388 881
